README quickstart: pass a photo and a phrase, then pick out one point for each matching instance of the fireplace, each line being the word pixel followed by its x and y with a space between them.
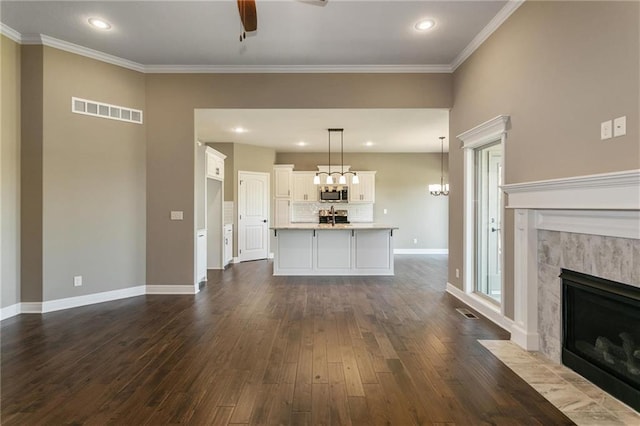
pixel 601 333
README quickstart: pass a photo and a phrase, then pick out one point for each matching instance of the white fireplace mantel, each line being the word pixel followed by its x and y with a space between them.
pixel 606 204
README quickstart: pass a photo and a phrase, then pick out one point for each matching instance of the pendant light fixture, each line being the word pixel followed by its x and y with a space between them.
pixel 441 188
pixel 342 180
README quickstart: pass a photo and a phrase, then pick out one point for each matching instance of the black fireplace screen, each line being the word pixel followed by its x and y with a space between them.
pixel 601 333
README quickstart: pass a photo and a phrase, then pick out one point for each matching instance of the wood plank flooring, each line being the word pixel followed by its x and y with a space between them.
pixel 251 348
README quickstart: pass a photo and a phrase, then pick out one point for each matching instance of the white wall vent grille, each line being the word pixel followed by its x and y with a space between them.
pixel 100 109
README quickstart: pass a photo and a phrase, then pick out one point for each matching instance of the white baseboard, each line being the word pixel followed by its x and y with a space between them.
pixel 236 260
pixel 9 311
pixel 90 299
pixel 31 308
pixel 270 256
pixel 420 251
pixel 485 308
pixel 171 289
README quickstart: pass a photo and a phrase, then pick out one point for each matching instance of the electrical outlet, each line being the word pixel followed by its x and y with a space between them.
pixel 77 281
pixel 606 128
pixel 384 211
pixel 457 273
pixel 415 241
pixel 620 126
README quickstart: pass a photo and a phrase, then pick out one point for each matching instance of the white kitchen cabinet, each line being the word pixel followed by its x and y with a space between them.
pixel 365 191
pixel 228 244
pixel 201 255
pixel 215 164
pixel 282 178
pixel 304 190
pixel 282 211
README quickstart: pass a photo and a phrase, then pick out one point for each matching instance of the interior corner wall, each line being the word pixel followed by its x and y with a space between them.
pixel 10 172
pixel 558 69
pixel 402 180
pixel 93 171
pixel 31 160
pixel 171 101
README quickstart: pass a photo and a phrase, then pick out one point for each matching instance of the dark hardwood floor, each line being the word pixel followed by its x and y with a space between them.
pixel 256 349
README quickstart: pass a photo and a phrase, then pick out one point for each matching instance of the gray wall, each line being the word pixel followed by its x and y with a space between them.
pixel 10 172
pixel 94 179
pixel 401 188
pixel 558 69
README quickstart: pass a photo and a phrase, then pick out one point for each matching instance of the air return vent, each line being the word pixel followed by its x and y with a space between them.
pixel 466 313
pixel 100 109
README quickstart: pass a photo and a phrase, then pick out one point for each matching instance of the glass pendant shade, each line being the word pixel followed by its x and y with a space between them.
pixel 355 179
pixel 329 180
pixel 316 180
pixel 440 188
pixel 342 180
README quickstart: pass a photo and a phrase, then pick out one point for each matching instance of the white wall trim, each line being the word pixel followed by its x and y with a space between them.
pixel 10 311
pixel 9 32
pixel 607 191
pixel 484 307
pixel 421 251
pixel 90 299
pixel 31 308
pixel 621 224
pixel 487 132
pixel 482 36
pixel 298 69
pixel 171 289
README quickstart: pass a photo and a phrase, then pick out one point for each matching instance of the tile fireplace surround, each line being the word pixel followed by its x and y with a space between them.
pixel 588 224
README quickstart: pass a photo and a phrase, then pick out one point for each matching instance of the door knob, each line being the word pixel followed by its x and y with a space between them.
pixel 494 229
pixel 264 220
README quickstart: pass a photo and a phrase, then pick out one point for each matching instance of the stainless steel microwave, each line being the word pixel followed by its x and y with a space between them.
pixel 334 194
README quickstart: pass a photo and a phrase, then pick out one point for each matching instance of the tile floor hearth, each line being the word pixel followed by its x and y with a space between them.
pixel 580 400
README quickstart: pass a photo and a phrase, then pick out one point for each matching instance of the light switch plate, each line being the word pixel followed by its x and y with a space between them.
pixel 77 281
pixel 620 126
pixel 177 215
pixel 605 130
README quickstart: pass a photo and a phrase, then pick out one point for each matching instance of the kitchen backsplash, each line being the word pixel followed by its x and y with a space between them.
pixel 308 212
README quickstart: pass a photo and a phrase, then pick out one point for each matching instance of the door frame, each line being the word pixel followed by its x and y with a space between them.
pixel 240 233
pixel 489 132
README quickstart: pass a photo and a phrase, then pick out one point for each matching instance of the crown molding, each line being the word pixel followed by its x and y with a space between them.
pixel 9 32
pixel 267 69
pixel 492 26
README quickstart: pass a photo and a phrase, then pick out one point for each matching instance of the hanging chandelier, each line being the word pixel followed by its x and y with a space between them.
pixel 342 180
pixel 441 188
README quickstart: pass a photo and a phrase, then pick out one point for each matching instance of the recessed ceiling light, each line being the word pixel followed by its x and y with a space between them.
pixel 425 24
pixel 368 143
pixel 301 143
pixel 100 23
pixel 240 130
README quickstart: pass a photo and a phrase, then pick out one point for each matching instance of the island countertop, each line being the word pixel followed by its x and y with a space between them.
pixel 337 226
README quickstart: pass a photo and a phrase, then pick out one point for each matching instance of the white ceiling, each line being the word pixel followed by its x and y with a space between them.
pixel 389 130
pixel 290 32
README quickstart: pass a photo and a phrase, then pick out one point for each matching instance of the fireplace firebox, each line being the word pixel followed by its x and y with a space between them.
pixel 601 333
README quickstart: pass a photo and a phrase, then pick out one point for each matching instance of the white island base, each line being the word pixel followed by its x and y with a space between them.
pixel 333 250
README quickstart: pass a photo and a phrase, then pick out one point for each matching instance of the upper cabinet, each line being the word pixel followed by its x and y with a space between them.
pixel 215 164
pixel 365 191
pixel 303 187
pixel 282 177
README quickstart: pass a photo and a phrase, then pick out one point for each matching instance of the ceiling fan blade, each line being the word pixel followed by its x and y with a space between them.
pixel 248 15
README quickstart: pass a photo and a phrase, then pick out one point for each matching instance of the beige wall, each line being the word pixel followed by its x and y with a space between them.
pixel 171 100
pixel 401 188
pixel 558 69
pixel 94 179
pixel 10 172
pixel 31 106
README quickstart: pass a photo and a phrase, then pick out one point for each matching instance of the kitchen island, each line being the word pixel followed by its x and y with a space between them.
pixel 341 249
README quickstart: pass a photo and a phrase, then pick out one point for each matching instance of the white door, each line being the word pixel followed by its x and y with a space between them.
pixel 253 215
